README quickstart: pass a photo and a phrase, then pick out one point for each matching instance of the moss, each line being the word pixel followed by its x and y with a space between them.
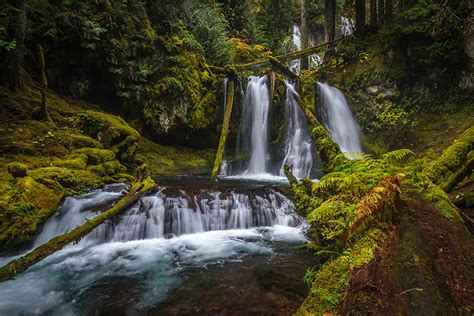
pixel 81 141
pixel 452 158
pixel 96 156
pixel 110 168
pixel 442 202
pixel 112 131
pixel 73 162
pixel 327 149
pixel 17 169
pixel 333 277
pixel 172 161
pixel 30 203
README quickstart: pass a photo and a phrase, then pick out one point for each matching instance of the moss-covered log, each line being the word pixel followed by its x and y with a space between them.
pixel 139 188
pixel 278 66
pixel 454 164
pixel 224 132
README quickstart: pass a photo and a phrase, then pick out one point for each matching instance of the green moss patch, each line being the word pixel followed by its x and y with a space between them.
pixel 332 279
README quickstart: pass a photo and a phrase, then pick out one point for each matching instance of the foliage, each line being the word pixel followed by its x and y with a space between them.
pixel 429 34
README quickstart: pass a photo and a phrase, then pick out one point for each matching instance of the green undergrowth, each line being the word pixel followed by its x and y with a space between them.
pixel 352 210
pixel 331 280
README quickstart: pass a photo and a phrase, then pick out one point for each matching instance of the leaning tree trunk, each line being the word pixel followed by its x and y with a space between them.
pixel 13 59
pixel 360 15
pixel 43 113
pixel 330 19
pixel 373 13
pixel 381 13
pixel 388 10
pixel 304 33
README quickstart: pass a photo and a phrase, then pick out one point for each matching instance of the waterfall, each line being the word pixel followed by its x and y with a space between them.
pixel 140 257
pixel 175 214
pixel 72 212
pixel 337 118
pixel 297 139
pixel 253 133
pixel 347 26
pixel 314 59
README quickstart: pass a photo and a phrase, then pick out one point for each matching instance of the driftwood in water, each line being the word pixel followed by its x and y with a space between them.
pixel 139 189
pixel 225 130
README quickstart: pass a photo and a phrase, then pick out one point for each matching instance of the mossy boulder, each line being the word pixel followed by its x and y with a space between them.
pixel 30 204
pixel 96 156
pixel 109 168
pixel 111 131
pixel 78 162
pixel 81 141
pixel 17 169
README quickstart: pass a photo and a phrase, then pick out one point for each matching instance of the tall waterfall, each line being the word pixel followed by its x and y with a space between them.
pixel 254 125
pixel 297 139
pixel 338 119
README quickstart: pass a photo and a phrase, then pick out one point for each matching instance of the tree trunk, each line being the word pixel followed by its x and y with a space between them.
pixel 373 13
pixel 330 19
pixel 43 114
pixel 225 130
pixel 304 33
pixel 388 10
pixel 360 15
pixel 13 59
pixel 381 8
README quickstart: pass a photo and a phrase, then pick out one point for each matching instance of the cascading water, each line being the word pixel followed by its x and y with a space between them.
pixel 137 259
pixel 347 26
pixel 297 139
pixel 254 125
pixel 73 212
pixel 337 118
pixel 314 59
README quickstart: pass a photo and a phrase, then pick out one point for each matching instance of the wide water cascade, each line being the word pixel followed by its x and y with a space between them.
pixel 150 256
pixel 298 153
pixel 337 118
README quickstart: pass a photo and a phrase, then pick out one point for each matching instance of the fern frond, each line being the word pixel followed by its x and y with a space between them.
pixel 397 154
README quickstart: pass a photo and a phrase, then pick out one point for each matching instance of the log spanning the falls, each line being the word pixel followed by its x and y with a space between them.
pixel 276 61
pixel 225 130
pixel 142 185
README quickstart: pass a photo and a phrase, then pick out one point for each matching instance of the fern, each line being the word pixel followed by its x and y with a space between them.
pixel 397 154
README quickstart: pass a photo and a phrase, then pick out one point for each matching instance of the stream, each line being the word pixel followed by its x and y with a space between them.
pixel 186 248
